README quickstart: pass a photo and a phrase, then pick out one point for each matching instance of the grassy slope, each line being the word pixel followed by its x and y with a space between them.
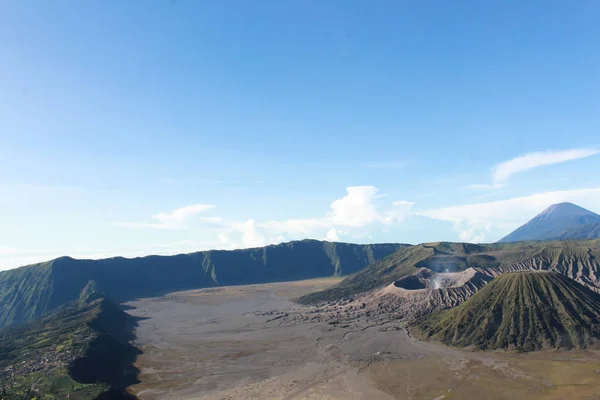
pixel 525 310
pixel 81 350
pixel 28 292
pixel 566 257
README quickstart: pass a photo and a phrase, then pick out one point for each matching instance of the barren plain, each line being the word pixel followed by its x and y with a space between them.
pixel 254 342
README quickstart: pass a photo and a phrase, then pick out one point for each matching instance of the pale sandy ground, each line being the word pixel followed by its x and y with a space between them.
pixel 242 343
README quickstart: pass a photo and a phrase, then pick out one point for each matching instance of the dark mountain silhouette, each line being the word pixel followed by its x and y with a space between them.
pixel 521 310
pixel 30 291
pixel 562 221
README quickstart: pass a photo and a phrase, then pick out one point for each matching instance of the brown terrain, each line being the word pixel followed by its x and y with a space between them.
pixel 253 342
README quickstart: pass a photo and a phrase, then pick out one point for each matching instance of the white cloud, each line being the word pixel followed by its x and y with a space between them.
pixel 502 172
pixel 358 215
pixel 180 215
pixel 251 237
pixel 475 220
pixel 357 210
pixel 277 239
pixel 176 219
pixel 332 235
pixel 361 214
pixel 469 235
pixel 294 225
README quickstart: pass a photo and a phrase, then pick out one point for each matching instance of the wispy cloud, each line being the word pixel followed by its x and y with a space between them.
pixel 502 172
pixel 179 216
pixel 176 219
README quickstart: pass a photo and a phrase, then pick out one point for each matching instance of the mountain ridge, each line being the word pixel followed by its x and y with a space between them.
pixel 30 291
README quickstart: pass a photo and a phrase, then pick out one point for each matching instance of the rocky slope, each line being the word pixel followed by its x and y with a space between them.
pixel 425 291
pixel 28 292
pixel 523 310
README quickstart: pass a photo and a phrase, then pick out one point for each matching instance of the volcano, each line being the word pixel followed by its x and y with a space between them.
pixel 563 221
pixel 521 310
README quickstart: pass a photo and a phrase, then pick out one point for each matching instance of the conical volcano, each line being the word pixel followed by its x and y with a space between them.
pixel 522 310
pixel 558 222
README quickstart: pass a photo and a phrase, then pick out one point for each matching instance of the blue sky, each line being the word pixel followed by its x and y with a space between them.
pixel 131 128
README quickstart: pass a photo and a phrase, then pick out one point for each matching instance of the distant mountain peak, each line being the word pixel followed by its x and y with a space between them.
pixel 563 210
pixel 558 222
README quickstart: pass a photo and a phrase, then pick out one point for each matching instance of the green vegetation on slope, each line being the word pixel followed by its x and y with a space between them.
pixel 570 258
pixel 82 350
pixel 522 310
pixel 28 292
